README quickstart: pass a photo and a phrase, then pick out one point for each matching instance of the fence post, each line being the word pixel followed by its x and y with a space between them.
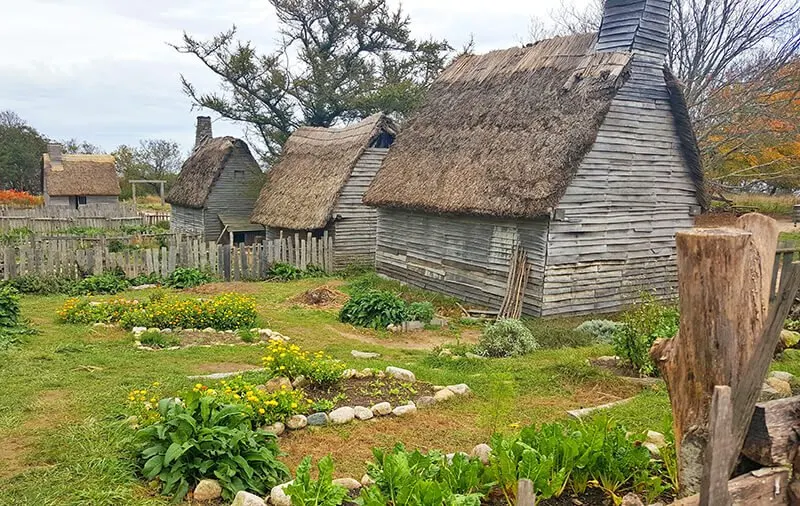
pixel 525 494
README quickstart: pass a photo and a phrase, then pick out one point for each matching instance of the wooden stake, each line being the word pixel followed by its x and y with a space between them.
pixel 525 494
pixel 720 450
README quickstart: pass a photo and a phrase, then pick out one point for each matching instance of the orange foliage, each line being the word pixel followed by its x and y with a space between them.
pixel 15 198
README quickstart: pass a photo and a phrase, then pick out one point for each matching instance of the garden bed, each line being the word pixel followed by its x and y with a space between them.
pixel 155 339
pixel 370 391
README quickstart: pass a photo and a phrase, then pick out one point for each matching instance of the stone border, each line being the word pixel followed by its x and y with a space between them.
pixel 269 334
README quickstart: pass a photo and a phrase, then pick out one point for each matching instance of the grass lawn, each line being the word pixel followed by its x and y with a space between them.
pixel 63 439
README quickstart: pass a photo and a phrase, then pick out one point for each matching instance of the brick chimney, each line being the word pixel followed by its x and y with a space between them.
pixel 638 26
pixel 54 151
pixel 203 130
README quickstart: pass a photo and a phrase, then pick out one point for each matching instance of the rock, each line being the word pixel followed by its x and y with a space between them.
pixel 460 389
pixel 363 413
pixel 207 490
pixel 413 326
pixel 789 339
pixel 656 438
pixel 393 328
pixel 631 500
pixel 143 287
pixel 405 410
pixel 783 387
pixel 348 373
pixel 154 329
pixel 482 451
pixel 345 414
pixel 401 374
pixel 278 384
pixel 367 481
pixel 606 361
pixel 247 499
pixel 655 452
pixel 297 422
pixel 208 330
pixel 438 322
pixel 265 332
pixel 443 395
pixel 300 382
pixel 139 330
pixel 364 373
pixel 474 356
pixel 445 353
pixel 449 456
pixel 276 428
pixel 278 497
pixel 782 375
pixel 768 393
pixel 318 419
pixel 426 401
pixel 436 388
pixel 166 331
pixel 381 409
pixel 364 354
pixel 348 483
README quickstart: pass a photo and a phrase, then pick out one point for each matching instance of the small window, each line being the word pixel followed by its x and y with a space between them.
pixel 81 200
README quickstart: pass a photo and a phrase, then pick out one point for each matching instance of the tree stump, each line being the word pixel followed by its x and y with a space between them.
pixel 724 278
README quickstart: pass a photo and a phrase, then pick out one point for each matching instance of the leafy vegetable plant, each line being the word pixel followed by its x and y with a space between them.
pixel 185 277
pixel 642 324
pixel 374 309
pixel 321 492
pixel 421 311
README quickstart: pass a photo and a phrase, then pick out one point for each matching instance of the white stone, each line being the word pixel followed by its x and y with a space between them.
pixel 139 330
pixel 345 414
pixel 364 354
pixel 426 401
pixel 247 499
pixel 474 356
pixel 436 388
pixel 348 483
pixel 166 331
pixel 783 387
pixel 405 410
pixel 207 490
pixel 278 497
pixel 782 375
pixel 443 395
pixel 276 428
pixel 382 408
pixel 365 373
pixel 445 353
pixel 296 422
pixel 655 453
pixel 366 481
pixel 348 373
pixel 363 413
pixel 279 383
pixel 209 330
pixel 460 389
pixel 656 438
pixel 482 451
pixel 300 382
pixel 401 374
pixel 143 287
pixel 413 326
pixel 631 500
pixel 265 332
pixel 154 329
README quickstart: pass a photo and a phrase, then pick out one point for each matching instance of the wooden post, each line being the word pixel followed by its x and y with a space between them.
pixel 525 494
pixel 720 450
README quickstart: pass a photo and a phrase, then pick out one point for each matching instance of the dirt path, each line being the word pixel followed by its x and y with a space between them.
pixel 422 340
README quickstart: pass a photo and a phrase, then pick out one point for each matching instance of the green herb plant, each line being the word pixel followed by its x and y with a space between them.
pixel 374 309
pixel 305 491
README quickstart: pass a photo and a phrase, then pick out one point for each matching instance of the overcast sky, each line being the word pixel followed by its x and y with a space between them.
pixel 101 70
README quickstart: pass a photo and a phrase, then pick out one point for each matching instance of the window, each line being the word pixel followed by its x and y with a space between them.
pixel 82 200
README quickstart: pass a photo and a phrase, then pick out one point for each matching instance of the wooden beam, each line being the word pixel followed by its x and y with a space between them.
pixel 773 434
pixel 760 487
pixel 720 450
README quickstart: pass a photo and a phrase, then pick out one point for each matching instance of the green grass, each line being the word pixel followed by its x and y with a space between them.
pixel 766 204
pixel 63 439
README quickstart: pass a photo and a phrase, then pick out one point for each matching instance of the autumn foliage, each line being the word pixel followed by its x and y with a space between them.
pixel 21 199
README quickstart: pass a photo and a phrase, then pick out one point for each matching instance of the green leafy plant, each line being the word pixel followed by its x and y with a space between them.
pixel 374 309
pixel 320 405
pixel 421 311
pixel 320 492
pixel 187 277
pixel 506 338
pixel 106 283
pixel 282 359
pixel 9 307
pixel 155 339
pixel 248 336
pixel 41 284
pixel 642 324
pixel 200 437
pixel 153 278
pixel 601 330
pixel 284 272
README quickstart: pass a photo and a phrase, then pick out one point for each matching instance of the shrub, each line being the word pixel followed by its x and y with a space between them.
pixel 155 339
pixel 422 311
pixel 282 359
pixel 373 309
pixel 506 338
pixel 183 277
pixel 20 199
pixel 601 330
pixel 642 324
pixel 153 278
pixel 41 284
pixel 284 272
pixel 201 437
pixel 106 283
pixel 9 307
pixel 15 236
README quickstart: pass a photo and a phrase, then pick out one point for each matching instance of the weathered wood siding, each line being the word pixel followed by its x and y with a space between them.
pixel 463 256
pixel 629 197
pixel 355 224
pixel 635 25
pixel 186 220
pixel 234 193
pixel 56 201
pixel 102 199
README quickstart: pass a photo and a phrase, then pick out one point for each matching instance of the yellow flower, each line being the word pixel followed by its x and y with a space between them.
pixel 199 385
pixel 294 405
pixel 261 411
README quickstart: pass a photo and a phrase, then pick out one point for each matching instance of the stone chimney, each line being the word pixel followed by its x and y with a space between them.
pixel 54 151
pixel 203 130
pixel 638 26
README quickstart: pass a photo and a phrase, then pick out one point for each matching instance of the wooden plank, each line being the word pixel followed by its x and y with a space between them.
pixel 761 487
pixel 772 437
pixel 525 493
pixel 720 450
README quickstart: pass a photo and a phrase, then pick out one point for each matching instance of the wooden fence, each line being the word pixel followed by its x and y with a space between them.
pixel 74 257
pixel 48 220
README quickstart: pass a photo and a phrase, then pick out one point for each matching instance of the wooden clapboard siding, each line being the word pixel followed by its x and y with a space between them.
pixel 234 193
pixel 629 197
pixel 186 220
pixel 463 256
pixel 355 224
pixel 635 25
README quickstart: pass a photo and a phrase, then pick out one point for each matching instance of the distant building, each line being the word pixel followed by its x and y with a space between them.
pixel 216 189
pixel 577 149
pixel 76 180
pixel 319 182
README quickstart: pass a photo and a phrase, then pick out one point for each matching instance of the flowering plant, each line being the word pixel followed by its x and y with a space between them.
pixel 282 359
pixel 16 198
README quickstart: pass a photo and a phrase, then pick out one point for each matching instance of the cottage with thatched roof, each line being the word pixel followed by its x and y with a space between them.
pixel 577 149
pixel 216 189
pixel 319 182
pixel 76 180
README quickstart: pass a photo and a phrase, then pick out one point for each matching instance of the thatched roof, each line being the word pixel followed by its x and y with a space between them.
pixel 202 169
pixel 302 188
pixel 80 175
pixel 502 134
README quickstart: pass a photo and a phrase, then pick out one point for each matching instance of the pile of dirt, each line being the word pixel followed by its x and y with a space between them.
pixel 321 297
pixel 370 391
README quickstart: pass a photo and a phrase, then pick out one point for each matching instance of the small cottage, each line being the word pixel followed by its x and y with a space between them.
pixel 77 180
pixel 216 189
pixel 577 151
pixel 319 182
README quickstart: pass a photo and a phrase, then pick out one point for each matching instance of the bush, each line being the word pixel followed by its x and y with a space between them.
pixel 183 277
pixel 284 272
pixel 601 330
pixel 15 236
pixel 283 359
pixel 106 283
pixel 374 309
pixel 41 284
pixel 642 324
pixel 9 307
pixel 201 437
pixel 421 311
pixel 153 278
pixel 506 338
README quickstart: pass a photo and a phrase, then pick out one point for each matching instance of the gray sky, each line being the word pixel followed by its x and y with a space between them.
pixel 101 70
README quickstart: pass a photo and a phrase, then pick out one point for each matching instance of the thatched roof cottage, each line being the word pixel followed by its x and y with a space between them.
pixel 577 149
pixel 319 182
pixel 76 180
pixel 216 189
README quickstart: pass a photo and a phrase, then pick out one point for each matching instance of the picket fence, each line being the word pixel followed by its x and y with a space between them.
pixel 48 220
pixel 73 257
